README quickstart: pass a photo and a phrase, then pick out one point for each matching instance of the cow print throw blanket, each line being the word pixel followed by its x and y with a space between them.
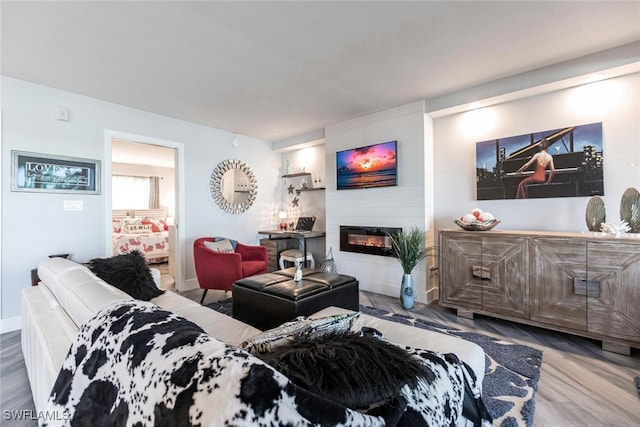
pixel 134 364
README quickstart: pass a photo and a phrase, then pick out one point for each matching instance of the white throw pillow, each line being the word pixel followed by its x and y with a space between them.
pixel 219 246
pixel 133 228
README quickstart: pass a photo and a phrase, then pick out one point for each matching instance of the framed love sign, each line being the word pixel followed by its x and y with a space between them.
pixel 49 173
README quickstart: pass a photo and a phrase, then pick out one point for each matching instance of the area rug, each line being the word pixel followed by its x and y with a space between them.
pixel 512 370
pixel 511 375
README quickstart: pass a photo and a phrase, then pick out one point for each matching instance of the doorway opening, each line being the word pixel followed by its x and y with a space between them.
pixel 145 203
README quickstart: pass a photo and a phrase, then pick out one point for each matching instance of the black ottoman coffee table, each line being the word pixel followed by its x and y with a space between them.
pixel 268 300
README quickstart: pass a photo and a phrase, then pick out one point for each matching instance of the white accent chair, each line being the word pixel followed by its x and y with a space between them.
pixel 296 257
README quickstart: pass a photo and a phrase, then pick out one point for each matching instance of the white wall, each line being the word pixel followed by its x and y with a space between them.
pixel 614 102
pixel 35 225
pixel 310 203
pixel 404 205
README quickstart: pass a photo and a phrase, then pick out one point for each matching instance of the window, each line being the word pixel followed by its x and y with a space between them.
pixel 130 192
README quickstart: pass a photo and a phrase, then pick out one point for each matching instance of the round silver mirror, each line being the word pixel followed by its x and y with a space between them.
pixel 233 186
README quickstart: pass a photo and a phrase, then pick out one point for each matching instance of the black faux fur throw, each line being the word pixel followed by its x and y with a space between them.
pixel 357 371
pixel 128 272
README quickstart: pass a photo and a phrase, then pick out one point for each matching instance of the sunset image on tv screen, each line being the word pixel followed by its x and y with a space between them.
pixel 371 166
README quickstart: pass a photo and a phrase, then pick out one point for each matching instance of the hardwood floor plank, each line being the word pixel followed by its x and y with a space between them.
pixel 580 384
pixel 15 391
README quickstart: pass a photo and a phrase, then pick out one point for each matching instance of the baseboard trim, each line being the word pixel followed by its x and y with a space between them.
pixel 393 291
pixel 433 294
pixel 189 284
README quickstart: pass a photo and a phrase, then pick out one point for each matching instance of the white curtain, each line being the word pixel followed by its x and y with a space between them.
pixel 130 192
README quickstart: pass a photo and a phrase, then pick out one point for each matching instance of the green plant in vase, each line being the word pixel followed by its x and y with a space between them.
pixel 409 248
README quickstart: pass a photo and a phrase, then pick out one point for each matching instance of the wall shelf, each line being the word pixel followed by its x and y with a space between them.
pixel 293 175
pixel 312 189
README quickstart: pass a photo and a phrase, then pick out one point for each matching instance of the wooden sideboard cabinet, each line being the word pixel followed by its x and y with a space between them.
pixel 586 284
pixel 485 274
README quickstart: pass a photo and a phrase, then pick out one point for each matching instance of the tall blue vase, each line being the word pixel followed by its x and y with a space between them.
pixel 407 295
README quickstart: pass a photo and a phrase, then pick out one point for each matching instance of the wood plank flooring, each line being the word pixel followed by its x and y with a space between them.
pixel 15 393
pixel 580 384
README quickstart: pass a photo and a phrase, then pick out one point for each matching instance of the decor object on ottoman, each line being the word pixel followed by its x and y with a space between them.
pixel 128 272
pixel 477 220
pixel 298 276
pixel 409 248
pixel 630 209
pixel 218 268
pixel 595 213
pixel 268 300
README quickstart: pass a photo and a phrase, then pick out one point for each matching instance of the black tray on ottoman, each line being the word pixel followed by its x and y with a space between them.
pixel 268 300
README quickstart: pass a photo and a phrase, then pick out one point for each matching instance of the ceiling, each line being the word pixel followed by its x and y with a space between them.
pixel 134 153
pixel 275 70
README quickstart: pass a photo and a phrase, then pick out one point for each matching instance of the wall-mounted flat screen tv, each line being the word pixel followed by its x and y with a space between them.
pixel 366 167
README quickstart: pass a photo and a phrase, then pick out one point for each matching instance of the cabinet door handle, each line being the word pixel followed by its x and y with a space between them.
pixel 584 287
pixel 479 272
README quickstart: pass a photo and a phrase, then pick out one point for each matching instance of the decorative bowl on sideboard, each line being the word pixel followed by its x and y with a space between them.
pixel 478 226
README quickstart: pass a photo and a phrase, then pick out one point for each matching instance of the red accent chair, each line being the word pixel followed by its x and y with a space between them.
pixel 220 270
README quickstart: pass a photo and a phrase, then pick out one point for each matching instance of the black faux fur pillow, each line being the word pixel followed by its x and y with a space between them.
pixel 128 272
pixel 348 369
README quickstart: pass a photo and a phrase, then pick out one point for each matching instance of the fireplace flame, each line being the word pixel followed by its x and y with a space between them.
pixel 373 241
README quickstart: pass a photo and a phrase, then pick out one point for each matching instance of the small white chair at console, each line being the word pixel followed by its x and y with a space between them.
pixel 296 257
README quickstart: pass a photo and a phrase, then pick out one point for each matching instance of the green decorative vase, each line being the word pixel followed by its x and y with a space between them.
pixel 630 209
pixel 595 214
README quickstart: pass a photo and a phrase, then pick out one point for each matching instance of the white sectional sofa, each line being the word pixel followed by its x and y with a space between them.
pixel 69 294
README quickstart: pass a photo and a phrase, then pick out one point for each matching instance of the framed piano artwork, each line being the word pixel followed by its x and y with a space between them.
pixel 565 162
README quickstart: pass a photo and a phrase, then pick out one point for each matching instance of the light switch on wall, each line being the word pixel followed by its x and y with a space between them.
pixel 73 205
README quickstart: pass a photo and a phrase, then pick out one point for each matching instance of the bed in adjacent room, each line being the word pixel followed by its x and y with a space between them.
pixel 144 229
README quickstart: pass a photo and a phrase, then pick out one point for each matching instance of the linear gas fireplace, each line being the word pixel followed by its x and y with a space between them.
pixel 366 240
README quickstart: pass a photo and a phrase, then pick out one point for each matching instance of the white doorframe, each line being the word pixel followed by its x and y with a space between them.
pixel 180 191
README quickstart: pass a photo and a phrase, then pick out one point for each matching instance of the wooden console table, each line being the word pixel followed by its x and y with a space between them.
pixel 304 236
pixel 586 284
pixel 274 248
